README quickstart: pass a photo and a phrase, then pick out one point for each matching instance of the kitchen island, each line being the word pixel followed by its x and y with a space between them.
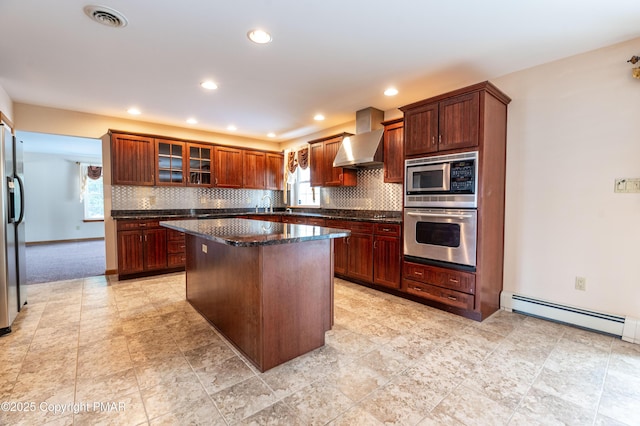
pixel 266 286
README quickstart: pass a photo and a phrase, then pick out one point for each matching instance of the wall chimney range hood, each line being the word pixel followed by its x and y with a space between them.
pixel 365 148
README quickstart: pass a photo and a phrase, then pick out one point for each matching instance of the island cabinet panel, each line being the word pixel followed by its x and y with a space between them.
pixel 253 166
pixel 258 301
pixel 228 167
pixel 176 249
pixel 393 151
pixel 132 160
pixel 274 176
pixel 354 254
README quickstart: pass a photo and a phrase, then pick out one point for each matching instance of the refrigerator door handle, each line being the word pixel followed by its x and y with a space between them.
pixel 21 184
pixel 12 208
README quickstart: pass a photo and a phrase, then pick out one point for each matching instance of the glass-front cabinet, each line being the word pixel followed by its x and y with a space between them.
pixel 169 165
pixel 199 165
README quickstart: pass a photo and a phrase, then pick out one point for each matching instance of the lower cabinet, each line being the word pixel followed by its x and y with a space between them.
pixel 145 247
pixel 387 255
pixel 447 286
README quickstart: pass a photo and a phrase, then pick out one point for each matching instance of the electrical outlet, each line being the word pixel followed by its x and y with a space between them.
pixel 204 248
pixel 628 185
pixel 581 283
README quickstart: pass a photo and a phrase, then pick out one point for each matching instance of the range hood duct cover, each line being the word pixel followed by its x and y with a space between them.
pixel 365 148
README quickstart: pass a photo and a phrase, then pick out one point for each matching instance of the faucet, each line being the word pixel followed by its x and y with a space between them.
pixel 270 203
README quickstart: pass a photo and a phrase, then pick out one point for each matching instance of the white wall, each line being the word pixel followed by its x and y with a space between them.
pixel 573 127
pixel 52 208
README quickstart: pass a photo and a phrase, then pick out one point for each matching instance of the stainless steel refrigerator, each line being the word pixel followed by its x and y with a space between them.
pixel 13 294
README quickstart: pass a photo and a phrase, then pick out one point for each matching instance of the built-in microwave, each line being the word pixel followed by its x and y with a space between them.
pixel 442 181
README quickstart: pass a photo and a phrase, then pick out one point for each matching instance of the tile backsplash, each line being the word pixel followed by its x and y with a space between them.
pixel 167 198
pixel 370 194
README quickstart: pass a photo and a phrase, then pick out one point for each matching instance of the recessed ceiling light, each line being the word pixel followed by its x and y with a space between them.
pixel 271 135
pixel 391 91
pixel 192 121
pixel 134 111
pixel 318 117
pixel 209 85
pixel 232 128
pixel 259 36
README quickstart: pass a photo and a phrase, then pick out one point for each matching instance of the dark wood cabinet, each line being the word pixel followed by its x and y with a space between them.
pixel 199 161
pixel 274 176
pixel 316 162
pixel 393 151
pixel 443 125
pixel 170 162
pixel 132 160
pixel 176 256
pixel 360 256
pixel 253 169
pixel 322 153
pixel 228 167
pixel 473 118
pixel 142 247
pixel 340 256
pixel 387 255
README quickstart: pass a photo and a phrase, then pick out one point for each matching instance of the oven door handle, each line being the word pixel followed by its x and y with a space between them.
pixel 442 215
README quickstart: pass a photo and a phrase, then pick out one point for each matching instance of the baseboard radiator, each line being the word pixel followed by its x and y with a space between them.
pixel 591 320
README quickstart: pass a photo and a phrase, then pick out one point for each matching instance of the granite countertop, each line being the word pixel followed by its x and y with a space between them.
pixel 354 215
pixel 251 233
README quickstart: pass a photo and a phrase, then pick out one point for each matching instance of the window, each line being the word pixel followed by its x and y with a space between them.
pixel 93 200
pixel 302 194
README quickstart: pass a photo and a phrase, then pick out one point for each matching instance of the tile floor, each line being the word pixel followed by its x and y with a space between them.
pixel 141 351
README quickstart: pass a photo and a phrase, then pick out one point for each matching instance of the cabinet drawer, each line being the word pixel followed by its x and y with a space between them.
pixel 175 260
pixel 361 227
pixel 175 247
pixel 316 221
pixel 439 294
pixel 387 229
pixel 137 224
pixel 448 278
pixel 173 235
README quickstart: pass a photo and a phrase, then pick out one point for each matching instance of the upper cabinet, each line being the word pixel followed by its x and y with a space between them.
pixel 448 122
pixel 169 163
pixel 253 165
pixel 199 161
pixel 274 176
pixel 321 156
pixel 393 150
pixel 132 160
pixel 228 167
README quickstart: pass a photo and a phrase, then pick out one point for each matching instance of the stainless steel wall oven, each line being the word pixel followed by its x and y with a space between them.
pixel 440 215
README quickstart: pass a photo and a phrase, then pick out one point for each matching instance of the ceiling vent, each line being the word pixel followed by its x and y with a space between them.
pixel 106 16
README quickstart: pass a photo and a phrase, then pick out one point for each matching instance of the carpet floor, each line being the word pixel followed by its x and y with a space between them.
pixel 65 261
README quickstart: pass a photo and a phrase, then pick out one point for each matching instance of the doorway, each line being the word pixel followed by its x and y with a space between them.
pixel 64 213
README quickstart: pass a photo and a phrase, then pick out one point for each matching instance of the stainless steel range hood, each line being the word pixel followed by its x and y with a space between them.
pixel 365 148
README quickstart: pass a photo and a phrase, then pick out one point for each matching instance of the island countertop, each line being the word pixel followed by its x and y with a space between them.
pixel 250 233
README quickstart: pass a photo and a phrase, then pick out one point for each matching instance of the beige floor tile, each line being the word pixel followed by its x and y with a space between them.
pixel 356 416
pixel 162 370
pixel 122 409
pixel 172 395
pixel 538 407
pixel 472 408
pixel 318 403
pixel 356 381
pixel 404 401
pixel 198 412
pixel 278 414
pixel 218 377
pixel 243 399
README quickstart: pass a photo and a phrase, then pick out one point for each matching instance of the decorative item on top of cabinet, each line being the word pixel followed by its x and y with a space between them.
pixel 322 153
pixel 451 121
pixel 393 150
pixel 199 161
pixel 132 159
pixel 253 166
pixel 274 178
pixel 228 167
pixel 170 163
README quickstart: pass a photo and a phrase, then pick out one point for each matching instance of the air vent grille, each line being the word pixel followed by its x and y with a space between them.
pixel 106 16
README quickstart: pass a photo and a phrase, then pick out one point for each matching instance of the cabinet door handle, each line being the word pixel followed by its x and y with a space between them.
pixel 439 138
pixel 452 298
pixel 417 289
pixel 418 273
pixel 145 238
pixel 140 238
pixel 433 140
pixel 348 240
pixel 375 245
pixel 452 280
pixel 386 230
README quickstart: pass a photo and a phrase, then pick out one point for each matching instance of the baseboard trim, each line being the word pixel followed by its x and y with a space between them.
pixel 111 272
pixel 77 240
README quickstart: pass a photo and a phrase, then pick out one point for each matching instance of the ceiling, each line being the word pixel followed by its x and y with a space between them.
pixel 332 57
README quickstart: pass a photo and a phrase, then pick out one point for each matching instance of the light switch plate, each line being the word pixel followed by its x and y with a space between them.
pixel 204 248
pixel 627 185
